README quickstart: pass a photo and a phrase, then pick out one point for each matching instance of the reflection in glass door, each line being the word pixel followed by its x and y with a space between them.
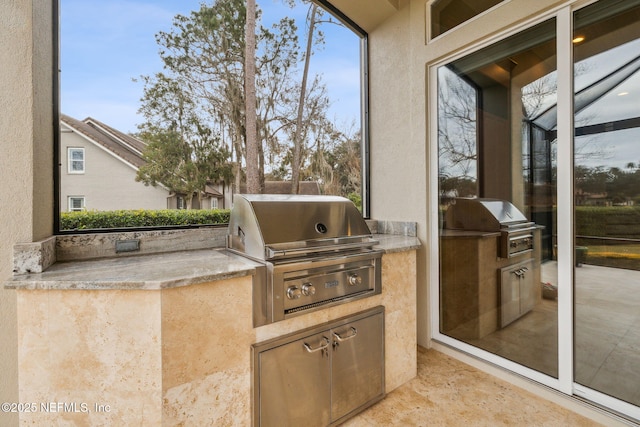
pixel 497 197
pixel 607 198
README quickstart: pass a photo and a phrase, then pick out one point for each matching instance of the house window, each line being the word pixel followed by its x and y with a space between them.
pixel 448 14
pixel 75 160
pixel 214 203
pixel 180 203
pixel 76 203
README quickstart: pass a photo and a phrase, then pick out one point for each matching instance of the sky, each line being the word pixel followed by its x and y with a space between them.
pixel 620 147
pixel 105 44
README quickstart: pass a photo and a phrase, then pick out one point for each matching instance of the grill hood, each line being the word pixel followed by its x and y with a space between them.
pixel 483 215
pixel 266 226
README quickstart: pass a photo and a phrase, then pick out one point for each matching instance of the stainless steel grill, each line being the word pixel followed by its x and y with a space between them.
pixel 315 251
pixel 483 292
pixel 515 229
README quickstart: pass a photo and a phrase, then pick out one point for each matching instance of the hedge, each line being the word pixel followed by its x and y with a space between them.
pixel 608 221
pixel 615 221
pixel 87 220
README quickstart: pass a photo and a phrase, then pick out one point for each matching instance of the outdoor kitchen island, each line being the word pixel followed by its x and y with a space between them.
pixel 165 338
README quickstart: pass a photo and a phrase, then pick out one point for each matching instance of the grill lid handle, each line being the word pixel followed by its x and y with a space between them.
pixel 287 251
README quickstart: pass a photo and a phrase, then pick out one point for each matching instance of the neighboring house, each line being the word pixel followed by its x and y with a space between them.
pixel 583 198
pixel 214 196
pixel 98 170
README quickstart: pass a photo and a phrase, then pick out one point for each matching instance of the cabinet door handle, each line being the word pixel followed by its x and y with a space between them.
pixel 352 333
pixel 324 344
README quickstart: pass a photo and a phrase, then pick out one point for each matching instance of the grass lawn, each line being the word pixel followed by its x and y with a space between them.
pixel 617 256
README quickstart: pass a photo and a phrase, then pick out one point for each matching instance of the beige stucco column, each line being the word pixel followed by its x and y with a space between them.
pixel 26 153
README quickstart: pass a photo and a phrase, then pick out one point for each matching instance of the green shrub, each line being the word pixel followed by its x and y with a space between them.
pixel 87 220
pixel 608 221
pixel 356 198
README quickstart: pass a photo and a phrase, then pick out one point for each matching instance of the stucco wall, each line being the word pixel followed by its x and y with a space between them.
pixel 397 111
pixel 25 158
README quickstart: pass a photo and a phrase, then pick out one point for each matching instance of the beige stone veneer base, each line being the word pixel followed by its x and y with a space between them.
pixel 178 356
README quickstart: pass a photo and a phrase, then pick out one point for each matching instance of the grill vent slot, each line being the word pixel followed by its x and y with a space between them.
pixel 325 302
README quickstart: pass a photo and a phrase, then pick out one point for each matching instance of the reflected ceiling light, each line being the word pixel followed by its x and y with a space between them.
pixel 623 93
pixel 578 39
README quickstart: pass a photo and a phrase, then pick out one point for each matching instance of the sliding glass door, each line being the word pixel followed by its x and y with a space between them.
pixel 607 198
pixel 497 192
pixel 541 131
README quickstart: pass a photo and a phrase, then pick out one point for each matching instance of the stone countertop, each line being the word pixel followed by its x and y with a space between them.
pixel 163 270
pixel 396 243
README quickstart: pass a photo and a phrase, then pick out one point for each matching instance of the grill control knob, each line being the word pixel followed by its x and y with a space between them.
pixel 294 292
pixel 308 289
pixel 355 279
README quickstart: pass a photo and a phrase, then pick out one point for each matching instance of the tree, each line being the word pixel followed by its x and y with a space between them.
pixel 253 168
pixel 275 83
pixel 618 185
pixel 336 161
pixel 182 154
pixel 457 127
pixel 184 165
pixel 292 106
pixel 298 132
pixel 205 56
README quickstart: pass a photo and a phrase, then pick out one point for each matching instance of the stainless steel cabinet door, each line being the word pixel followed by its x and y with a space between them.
pixel 517 291
pixel 295 383
pixel 357 365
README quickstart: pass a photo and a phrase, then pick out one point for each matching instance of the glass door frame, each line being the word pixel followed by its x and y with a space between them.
pixel 563 15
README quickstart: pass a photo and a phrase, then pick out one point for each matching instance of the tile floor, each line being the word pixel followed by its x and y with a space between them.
pixel 607 333
pixel 448 392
